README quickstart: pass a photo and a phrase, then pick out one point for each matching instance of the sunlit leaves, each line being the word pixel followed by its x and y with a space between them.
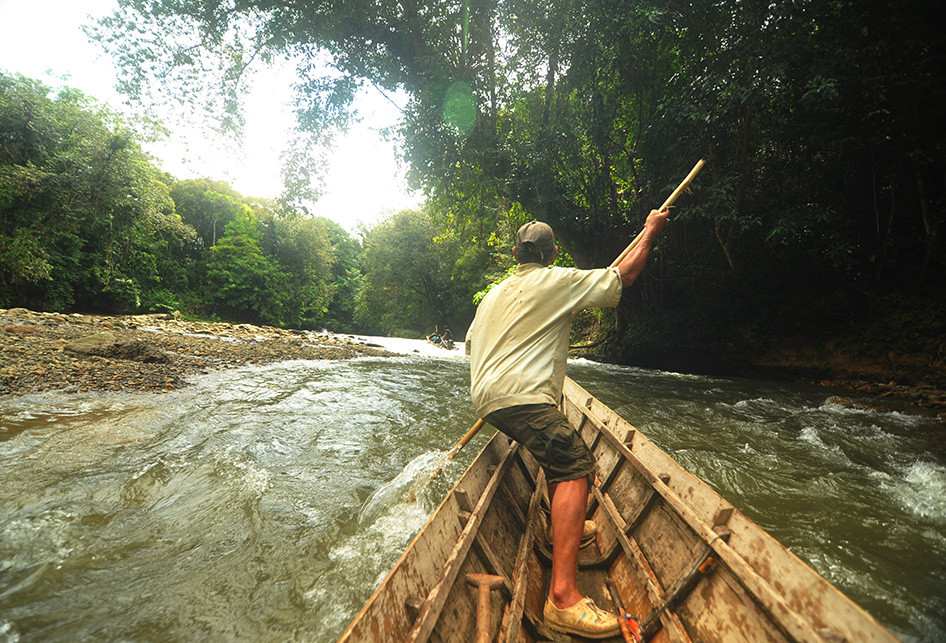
pixel 587 113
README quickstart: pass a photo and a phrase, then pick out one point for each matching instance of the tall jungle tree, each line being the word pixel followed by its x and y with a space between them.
pixel 408 273
pixel 347 277
pixel 242 282
pixel 85 218
pixel 303 251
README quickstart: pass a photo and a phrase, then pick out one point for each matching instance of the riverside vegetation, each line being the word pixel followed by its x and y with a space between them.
pixel 810 247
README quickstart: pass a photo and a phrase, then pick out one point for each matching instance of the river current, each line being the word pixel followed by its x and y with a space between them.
pixel 266 503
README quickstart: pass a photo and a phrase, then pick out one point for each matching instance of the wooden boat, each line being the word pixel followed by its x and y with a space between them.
pixel 686 563
pixel 440 342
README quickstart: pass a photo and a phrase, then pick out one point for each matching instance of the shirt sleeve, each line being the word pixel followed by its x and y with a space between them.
pixel 599 288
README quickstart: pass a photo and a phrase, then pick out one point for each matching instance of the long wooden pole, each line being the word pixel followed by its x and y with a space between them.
pixel 417 486
pixel 670 199
pixel 673 197
pixel 466 438
pixel 630 629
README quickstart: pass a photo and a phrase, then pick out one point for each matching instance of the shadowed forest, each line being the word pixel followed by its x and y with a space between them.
pixel 813 234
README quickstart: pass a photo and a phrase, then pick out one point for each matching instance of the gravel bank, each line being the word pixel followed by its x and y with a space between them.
pixel 156 353
pixel 146 353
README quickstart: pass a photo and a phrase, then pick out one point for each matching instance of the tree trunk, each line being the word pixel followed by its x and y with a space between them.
pixel 931 227
pixel 725 241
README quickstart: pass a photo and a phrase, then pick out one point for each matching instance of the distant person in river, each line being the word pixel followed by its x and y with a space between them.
pixel 519 347
pixel 441 339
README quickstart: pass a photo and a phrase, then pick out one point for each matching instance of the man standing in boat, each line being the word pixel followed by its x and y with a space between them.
pixel 519 347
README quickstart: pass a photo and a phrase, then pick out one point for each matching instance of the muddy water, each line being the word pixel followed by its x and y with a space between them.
pixel 265 504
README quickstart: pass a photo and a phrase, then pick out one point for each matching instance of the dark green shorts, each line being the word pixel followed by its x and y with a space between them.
pixel 546 433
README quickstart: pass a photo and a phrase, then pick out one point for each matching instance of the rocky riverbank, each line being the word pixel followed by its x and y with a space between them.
pixel 156 353
pixel 144 353
pixel 916 378
pixel 892 377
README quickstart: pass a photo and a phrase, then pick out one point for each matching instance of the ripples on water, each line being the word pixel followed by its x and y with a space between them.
pixel 267 503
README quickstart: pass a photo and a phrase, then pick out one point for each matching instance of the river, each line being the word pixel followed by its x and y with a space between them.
pixel 266 503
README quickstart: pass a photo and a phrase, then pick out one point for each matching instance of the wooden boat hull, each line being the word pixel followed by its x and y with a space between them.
pixel 688 564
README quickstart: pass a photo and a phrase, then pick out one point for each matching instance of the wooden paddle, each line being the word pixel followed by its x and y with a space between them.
pixel 479 423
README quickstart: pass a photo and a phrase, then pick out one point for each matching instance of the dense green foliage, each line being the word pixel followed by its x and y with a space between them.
pixel 84 217
pixel 411 280
pixel 820 121
pixel 87 222
pixel 346 277
pixel 823 197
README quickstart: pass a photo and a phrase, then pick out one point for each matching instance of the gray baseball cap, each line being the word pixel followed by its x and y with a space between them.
pixel 540 236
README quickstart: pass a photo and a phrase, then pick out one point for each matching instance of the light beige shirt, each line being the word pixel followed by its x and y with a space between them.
pixel 519 337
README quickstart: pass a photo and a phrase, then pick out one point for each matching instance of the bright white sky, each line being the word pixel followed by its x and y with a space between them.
pixel 42 39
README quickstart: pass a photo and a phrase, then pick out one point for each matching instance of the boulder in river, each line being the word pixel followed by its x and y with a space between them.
pixel 105 345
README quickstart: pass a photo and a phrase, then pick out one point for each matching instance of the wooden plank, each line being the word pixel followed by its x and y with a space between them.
pixel 512 622
pixel 606 483
pixel 495 567
pixel 514 508
pixel 384 615
pixel 652 499
pixel 668 542
pixel 607 558
pixel 680 589
pixel 763 593
pixel 497 556
pixel 655 592
pixel 612 474
pixel 438 595
pixel 721 611
pixel 524 469
pixel 492 562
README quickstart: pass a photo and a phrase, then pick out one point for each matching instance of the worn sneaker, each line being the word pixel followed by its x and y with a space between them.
pixel 587 534
pixel 584 618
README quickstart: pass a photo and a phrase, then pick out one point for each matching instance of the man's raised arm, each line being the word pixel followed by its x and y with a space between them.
pixel 636 259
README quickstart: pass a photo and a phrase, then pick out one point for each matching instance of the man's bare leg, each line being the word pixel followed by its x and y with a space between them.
pixel 569 503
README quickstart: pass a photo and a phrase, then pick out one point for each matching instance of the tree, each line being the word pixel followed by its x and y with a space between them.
pixel 268 261
pixel 207 206
pixel 303 252
pixel 242 282
pixel 347 277
pixel 820 122
pixel 84 215
pixel 408 272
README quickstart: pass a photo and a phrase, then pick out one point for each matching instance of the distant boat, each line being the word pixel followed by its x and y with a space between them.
pixel 441 342
pixel 686 563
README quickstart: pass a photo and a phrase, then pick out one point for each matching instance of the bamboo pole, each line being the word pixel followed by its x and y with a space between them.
pixel 417 486
pixel 466 438
pixel 673 197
